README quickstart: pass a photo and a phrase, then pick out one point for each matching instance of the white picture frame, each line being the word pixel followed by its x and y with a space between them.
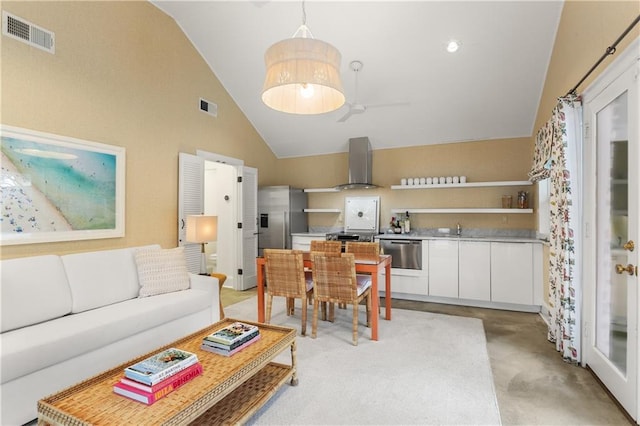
pixel 58 188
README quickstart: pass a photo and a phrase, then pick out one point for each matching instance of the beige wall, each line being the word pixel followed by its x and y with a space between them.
pixel 123 74
pixel 506 159
pixel 586 29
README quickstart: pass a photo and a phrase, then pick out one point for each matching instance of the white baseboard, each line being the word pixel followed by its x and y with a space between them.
pixel 544 313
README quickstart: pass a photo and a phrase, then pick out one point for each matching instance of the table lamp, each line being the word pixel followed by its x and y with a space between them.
pixel 202 229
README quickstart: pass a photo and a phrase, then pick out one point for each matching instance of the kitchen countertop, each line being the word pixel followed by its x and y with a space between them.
pixel 417 235
pixel 310 234
pixel 463 237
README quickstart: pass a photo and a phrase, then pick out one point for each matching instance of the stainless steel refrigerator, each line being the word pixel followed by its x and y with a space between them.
pixel 280 213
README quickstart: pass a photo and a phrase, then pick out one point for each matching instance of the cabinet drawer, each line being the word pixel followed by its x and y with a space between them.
pixel 408 284
pixel 301 246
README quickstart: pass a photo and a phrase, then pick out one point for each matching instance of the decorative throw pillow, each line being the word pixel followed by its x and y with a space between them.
pixel 161 270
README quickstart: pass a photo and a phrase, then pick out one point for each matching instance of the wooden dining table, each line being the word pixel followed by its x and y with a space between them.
pixel 363 266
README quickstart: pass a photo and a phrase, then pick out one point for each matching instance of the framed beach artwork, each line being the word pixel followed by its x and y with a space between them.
pixel 57 188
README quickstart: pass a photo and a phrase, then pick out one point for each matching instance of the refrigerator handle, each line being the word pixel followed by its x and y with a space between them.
pixel 284 230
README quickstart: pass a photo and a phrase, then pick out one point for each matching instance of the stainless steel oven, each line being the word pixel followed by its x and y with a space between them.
pixel 405 254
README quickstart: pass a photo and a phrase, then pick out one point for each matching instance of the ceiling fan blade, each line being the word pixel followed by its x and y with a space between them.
pixel 346 116
pixel 388 104
pixel 353 109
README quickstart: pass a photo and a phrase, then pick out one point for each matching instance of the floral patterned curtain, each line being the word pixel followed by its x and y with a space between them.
pixel 559 141
pixel 541 168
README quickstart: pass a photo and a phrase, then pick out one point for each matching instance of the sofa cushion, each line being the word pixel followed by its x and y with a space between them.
pixel 32 348
pixel 161 271
pixel 34 289
pixel 101 278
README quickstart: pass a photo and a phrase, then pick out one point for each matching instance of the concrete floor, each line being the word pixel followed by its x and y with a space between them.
pixel 534 386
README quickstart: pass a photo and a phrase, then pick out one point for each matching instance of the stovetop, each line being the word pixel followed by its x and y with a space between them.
pixel 367 236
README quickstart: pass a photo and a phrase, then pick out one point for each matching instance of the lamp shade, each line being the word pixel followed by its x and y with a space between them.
pixel 202 229
pixel 303 77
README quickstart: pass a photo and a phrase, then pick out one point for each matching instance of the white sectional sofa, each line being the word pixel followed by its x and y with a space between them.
pixel 67 318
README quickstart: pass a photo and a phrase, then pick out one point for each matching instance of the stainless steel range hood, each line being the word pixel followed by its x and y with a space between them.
pixel 359 165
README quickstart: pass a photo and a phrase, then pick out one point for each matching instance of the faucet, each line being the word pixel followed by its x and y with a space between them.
pixel 458 229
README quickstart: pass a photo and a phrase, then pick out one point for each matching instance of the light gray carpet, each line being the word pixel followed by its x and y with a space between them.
pixel 426 369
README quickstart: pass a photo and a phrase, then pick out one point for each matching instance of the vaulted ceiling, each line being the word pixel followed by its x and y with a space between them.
pixel 489 89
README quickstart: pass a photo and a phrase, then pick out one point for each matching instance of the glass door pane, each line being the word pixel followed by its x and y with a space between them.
pixel 612 214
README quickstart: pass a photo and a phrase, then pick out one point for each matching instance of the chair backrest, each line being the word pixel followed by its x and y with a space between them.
pixel 326 246
pixel 334 277
pixel 284 271
pixel 362 250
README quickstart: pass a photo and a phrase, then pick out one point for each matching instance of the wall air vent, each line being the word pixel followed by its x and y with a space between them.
pixel 208 107
pixel 27 32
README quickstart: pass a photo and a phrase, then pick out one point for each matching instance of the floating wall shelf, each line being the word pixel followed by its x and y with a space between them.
pixel 465 185
pixel 322 211
pixel 321 190
pixel 463 210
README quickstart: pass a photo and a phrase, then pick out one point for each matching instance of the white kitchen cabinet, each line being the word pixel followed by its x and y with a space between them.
pixel 405 282
pixel 474 270
pixel 491 274
pixel 303 242
pixel 512 273
pixel 443 268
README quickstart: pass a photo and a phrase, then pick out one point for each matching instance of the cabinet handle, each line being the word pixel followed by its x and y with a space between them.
pixel 629 245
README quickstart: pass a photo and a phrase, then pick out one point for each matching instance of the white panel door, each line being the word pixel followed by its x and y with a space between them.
pixel 474 261
pixel 443 268
pixel 249 232
pixel 512 273
pixel 190 201
pixel 220 200
pixel 611 272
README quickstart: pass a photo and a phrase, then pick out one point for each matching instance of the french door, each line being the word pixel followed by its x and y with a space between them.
pixel 612 158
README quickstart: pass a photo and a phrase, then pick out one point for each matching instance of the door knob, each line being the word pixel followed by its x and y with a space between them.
pixel 629 245
pixel 630 269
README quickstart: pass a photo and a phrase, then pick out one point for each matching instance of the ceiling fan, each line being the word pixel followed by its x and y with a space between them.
pixel 358 108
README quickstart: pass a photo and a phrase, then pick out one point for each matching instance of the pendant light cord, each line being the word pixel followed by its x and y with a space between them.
pixel 610 51
pixel 304 14
pixel 303 31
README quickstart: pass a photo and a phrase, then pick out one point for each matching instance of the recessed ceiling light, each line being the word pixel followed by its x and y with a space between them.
pixel 453 46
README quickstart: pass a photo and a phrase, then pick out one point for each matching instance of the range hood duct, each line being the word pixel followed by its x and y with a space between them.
pixel 359 165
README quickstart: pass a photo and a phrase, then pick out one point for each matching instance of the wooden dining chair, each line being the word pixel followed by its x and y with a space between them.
pixel 285 277
pixel 323 305
pixel 326 246
pixel 322 246
pixel 334 281
pixel 365 251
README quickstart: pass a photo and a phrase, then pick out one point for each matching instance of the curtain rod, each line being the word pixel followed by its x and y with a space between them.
pixel 610 51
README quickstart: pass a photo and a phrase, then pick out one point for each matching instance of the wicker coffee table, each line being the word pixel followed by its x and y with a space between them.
pixel 229 391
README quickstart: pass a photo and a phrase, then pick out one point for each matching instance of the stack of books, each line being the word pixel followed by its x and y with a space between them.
pixel 157 376
pixel 231 339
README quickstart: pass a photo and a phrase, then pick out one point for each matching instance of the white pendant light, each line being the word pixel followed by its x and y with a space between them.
pixel 303 74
